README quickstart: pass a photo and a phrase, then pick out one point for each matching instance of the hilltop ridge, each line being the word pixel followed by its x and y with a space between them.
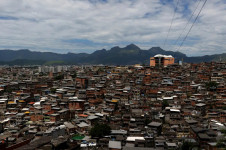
pixel 130 54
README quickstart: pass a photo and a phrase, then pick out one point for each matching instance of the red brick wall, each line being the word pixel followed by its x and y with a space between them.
pixel 36 117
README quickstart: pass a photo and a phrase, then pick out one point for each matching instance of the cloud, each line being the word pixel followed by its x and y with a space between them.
pixel 87 25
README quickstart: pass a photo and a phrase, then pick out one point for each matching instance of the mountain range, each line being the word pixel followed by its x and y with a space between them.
pixel 131 54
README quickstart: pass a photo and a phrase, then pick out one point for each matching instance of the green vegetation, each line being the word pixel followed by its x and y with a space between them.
pixel 100 130
pixel 100 70
pixel 54 62
pixel 74 75
pixel 222 142
pixel 165 104
pixel 147 121
pixel 59 77
pixel 130 54
pixel 187 146
pixel 9 90
pixel 53 90
pixel 211 85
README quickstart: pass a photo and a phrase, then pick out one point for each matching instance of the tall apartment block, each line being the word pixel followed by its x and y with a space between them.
pixel 161 60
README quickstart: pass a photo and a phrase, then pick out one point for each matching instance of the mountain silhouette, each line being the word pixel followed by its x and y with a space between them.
pixel 129 55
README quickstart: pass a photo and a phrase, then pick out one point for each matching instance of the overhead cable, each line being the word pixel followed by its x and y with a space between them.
pixel 192 26
pixel 171 24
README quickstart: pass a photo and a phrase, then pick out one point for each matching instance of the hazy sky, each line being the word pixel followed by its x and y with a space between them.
pixel 86 25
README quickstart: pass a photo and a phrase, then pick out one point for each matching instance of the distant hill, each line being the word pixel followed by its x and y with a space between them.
pixel 131 54
pixel 206 58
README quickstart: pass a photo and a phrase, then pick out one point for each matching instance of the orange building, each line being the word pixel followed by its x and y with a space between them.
pixel 161 60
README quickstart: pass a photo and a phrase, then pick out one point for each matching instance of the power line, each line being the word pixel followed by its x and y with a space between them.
pixel 171 23
pixel 192 25
pixel 187 23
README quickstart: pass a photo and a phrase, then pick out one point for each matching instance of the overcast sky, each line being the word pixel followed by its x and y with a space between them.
pixel 87 25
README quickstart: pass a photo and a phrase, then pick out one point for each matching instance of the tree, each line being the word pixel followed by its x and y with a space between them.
pixel 53 90
pixel 59 77
pixel 187 145
pixel 222 142
pixel 212 85
pixel 74 75
pixel 100 130
pixel 164 104
pixel 147 121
